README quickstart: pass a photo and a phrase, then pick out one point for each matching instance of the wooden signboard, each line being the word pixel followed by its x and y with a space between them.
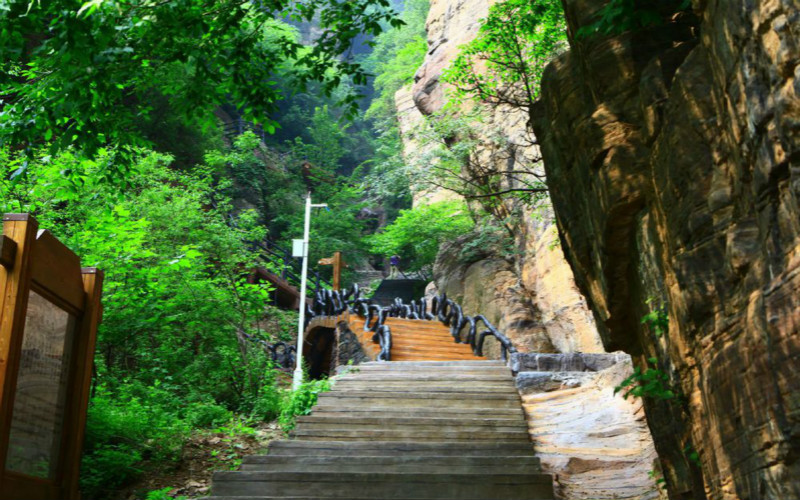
pixel 337 263
pixel 49 312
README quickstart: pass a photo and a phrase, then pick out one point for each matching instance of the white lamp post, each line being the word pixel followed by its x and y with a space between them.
pixel 301 247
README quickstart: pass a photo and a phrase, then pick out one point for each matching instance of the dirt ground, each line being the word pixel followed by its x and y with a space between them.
pixel 205 453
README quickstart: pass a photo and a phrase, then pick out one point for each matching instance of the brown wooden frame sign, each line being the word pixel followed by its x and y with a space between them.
pixel 49 312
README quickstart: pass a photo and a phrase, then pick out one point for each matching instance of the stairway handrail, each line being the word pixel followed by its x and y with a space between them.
pixel 281 353
pixel 282 257
pixel 332 303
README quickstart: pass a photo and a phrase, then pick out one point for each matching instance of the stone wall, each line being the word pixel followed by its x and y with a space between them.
pixel 673 158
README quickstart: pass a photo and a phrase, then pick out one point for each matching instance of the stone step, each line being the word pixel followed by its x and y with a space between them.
pixel 409 426
pixel 466 367
pixel 389 420
pixel 426 377
pixel 438 343
pixel 434 370
pixel 421 399
pixel 307 432
pixel 434 386
pixel 387 448
pixel 385 485
pixel 442 365
pixel 454 349
pixel 400 463
pixel 378 411
pixel 398 355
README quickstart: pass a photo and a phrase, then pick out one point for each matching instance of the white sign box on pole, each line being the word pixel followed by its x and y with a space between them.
pixel 299 248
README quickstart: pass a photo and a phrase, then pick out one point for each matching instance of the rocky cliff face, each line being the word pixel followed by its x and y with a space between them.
pixel 673 158
pixel 531 295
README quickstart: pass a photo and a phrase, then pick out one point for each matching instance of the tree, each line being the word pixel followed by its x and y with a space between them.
pixel 80 74
pixel 503 65
pixel 396 57
pixel 417 233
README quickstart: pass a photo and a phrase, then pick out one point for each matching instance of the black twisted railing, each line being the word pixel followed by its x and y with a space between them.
pixel 281 353
pixel 333 303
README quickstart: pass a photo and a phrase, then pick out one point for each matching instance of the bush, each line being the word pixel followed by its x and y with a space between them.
pixel 124 429
pixel 301 401
pixel 417 233
pixel 207 415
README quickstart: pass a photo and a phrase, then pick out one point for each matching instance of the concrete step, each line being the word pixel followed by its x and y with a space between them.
pixel 399 463
pixel 425 377
pixel 384 485
pixel 408 434
pixel 381 411
pixel 400 400
pixel 434 386
pixel 388 448
pixel 410 426
pixel 415 430
pixel 390 420
pixel 427 365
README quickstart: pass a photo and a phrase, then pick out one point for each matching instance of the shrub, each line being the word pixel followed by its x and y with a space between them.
pixel 417 233
pixel 300 402
pixel 122 430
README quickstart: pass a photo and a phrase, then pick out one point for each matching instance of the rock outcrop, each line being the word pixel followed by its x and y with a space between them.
pixel 594 442
pixel 673 158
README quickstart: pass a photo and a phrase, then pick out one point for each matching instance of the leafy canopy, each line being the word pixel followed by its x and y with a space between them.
pixel 417 234
pixel 80 73
pixel 505 62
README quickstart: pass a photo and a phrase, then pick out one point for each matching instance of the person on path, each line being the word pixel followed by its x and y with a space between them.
pixel 394 262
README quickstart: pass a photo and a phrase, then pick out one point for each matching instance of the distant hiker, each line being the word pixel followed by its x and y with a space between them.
pixel 394 262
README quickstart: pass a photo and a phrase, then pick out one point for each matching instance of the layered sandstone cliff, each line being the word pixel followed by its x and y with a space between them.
pixel 673 158
pixel 530 295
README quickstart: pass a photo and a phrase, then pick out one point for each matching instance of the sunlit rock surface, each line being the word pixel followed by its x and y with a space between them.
pixel 595 443
pixel 673 158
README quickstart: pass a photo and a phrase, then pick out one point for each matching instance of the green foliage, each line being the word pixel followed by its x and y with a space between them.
pixel 618 16
pixel 489 238
pixel 650 383
pixel 659 478
pixel 169 357
pixel 396 56
pixel 692 455
pixel 81 75
pixel 657 319
pixel 301 401
pixel 163 494
pixel 125 427
pixel 417 233
pixel 455 157
pixel 505 62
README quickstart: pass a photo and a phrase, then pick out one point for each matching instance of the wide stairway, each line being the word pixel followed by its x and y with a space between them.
pixel 402 430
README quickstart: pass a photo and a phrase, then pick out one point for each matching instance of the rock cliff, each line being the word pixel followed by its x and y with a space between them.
pixel 530 295
pixel 673 159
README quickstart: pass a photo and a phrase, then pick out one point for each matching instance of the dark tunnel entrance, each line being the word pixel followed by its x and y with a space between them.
pixel 318 351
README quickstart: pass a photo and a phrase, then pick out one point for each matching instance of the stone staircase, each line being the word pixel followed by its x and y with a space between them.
pixel 418 430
